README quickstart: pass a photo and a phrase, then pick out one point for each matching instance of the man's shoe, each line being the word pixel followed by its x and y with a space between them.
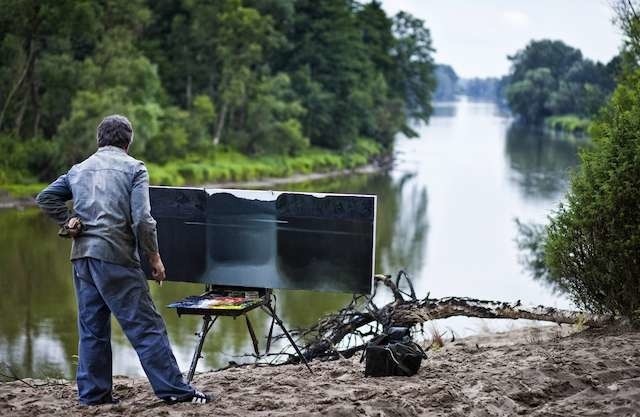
pixel 110 400
pixel 198 397
pixel 113 400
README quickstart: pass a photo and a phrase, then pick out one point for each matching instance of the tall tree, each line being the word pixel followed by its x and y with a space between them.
pixel 413 54
pixel 551 78
pixel 329 64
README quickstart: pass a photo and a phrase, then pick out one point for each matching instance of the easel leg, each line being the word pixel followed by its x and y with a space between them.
pixel 270 335
pixel 253 337
pixel 207 323
pixel 269 310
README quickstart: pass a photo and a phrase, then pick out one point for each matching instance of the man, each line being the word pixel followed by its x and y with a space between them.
pixel 111 218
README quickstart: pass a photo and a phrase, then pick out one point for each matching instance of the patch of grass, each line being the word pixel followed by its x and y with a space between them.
pixel 228 165
pixel 22 190
pixel 568 123
pixel 437 341
pixel 579 324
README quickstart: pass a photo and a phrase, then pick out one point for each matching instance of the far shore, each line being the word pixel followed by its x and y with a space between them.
pixel 8 201
pixel 298 178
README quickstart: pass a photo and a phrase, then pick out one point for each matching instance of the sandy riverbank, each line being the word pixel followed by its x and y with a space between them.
pixel 539 372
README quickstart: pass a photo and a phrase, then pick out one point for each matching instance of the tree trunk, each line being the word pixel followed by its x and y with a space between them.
pixel 188 91
pixel 432 309
pixel 220 124
pixel 20 116
pixel 18 83
pixel 35 98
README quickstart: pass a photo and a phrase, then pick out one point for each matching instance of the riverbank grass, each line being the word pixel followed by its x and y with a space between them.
pixel 568 123
pixel 20 191
pixel 228 165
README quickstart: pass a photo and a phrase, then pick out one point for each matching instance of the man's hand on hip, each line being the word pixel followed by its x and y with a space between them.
pixel 157 267
pixel 74 225
pixel 72 228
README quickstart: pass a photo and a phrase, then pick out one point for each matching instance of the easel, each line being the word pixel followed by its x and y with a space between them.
pixel 209 317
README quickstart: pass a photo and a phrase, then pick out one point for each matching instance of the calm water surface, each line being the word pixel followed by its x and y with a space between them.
pixel 446 214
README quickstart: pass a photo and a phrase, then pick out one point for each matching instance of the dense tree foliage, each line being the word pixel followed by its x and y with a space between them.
pixel 261 77
pixel 592 246
pixel 551 78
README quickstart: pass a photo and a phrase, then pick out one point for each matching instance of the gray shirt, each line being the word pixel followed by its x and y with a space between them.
pixel 110 193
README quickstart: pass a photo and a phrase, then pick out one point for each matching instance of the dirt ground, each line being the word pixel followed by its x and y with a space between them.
pixel 533 372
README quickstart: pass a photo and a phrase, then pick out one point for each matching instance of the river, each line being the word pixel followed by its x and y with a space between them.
pixel 446 214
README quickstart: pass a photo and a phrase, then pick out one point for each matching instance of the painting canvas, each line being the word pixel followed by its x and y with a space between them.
pixel 268 239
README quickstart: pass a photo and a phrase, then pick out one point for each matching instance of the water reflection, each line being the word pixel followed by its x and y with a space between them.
pixel 444 109
pixel 541 161
pixel 403 240
pixel 37 306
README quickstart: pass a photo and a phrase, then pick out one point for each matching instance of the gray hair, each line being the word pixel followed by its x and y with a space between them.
pixel 115 130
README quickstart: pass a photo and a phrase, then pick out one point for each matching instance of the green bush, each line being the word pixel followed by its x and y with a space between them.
pixel 29 160
pixel 4 177
pixel 22 190
pixel 593 242
pixel 41 157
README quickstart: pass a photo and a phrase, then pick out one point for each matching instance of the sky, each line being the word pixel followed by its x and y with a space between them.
pixel 475 36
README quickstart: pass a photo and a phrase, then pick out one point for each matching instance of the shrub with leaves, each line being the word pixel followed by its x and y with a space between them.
pixel 593 242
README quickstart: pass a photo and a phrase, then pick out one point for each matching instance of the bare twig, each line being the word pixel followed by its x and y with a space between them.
pixel 12 376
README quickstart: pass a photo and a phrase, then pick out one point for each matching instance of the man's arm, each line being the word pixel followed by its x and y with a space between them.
pixel 144 226
pixel 52 200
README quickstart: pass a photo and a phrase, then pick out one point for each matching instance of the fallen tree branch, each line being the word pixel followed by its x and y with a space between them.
pixel 410 314
pixel 344 333
pixel 331 330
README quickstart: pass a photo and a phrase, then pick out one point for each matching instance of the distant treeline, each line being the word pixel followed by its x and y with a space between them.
pixel 259 77
pixel 450 85
pixel 547 78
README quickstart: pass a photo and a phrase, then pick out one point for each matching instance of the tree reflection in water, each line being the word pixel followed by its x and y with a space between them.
pixel 37 329
pixel 541 161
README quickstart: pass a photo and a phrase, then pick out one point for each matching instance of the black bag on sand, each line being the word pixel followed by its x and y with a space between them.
pixel 393 353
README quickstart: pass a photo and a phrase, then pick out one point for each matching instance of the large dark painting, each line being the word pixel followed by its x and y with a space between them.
pixel 268 239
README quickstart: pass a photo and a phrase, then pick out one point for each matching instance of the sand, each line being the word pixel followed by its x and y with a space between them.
pixel 535 372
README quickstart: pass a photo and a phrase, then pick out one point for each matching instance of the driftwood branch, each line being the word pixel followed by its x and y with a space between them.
pixel 407 310
pixel 344 333
pixel 410 314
